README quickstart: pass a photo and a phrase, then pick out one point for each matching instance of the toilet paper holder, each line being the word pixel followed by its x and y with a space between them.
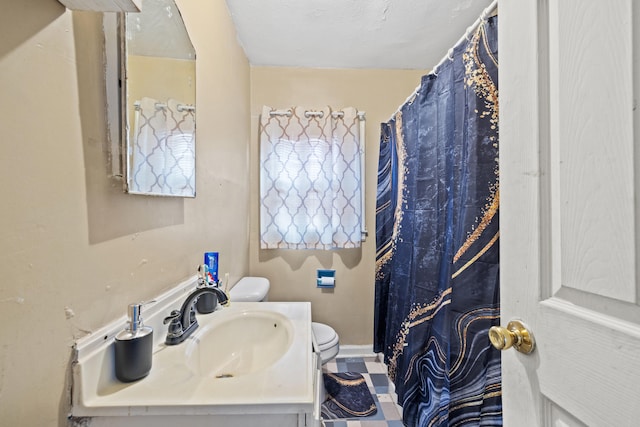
pixel 326 279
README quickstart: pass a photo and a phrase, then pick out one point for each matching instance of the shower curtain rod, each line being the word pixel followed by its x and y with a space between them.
pixel 308 113
pixel 161 106
pixel 487 13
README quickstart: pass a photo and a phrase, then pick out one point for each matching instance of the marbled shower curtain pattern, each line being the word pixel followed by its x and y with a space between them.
pixel 437 232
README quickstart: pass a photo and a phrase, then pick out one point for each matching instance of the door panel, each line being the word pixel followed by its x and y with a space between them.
pixel 569 239
pixel 587 363
pixel 592 145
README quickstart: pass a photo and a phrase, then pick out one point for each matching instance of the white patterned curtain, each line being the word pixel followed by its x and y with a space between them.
pixel 146 153
pixel 180 161
pixel 310 179
pixel 162 153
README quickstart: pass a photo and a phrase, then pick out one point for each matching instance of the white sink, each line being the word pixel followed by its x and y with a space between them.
pixel 241 343
pixel 245 364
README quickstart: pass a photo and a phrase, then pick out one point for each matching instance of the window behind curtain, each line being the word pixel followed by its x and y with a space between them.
pixel 310 179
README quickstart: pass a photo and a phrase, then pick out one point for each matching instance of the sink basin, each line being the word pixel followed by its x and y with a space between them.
pixel 244 342
pixel 248 364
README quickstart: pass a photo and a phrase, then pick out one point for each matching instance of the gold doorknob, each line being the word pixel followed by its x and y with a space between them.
pixel 515 335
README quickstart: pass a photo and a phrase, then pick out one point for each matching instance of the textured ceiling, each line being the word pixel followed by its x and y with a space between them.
pixel 399 34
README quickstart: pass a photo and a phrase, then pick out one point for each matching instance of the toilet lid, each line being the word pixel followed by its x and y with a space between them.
pixel 250 289
pixel 324 334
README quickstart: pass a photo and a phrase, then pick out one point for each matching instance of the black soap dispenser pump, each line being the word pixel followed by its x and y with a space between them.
pixel 133 348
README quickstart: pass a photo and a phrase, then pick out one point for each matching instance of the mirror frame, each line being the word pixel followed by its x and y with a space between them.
pixel 118 105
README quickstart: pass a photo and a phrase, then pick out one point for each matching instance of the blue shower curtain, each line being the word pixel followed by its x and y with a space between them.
pixel 437 261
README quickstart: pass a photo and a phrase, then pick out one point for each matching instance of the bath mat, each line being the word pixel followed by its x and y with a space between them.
pixel 348 396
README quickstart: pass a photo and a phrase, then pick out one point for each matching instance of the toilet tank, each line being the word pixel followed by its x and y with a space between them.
pixel 250 289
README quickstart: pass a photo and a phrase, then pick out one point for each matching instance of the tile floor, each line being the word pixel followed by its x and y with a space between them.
pixel 375 373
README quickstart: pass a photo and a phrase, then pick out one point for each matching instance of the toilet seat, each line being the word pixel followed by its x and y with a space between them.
pixel 327 340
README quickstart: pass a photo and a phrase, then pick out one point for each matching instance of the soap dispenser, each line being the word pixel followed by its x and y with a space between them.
pixel 133 348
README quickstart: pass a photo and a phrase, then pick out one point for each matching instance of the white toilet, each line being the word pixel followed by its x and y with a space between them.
pixel 250 289
pixel 327 340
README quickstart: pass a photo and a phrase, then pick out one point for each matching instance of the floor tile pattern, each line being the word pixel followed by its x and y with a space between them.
pixel 389 414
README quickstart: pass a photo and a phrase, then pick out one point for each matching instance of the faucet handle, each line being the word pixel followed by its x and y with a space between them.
pixel 175 315
pixel 175 328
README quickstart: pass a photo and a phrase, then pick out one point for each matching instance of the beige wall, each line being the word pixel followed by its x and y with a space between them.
pixel 348 307
pixel 158 78
pixel 75 250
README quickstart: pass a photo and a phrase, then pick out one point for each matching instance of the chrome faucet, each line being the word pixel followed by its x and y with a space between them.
pixel 183 321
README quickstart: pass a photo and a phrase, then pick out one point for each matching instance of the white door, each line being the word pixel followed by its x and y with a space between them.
pixel 570 181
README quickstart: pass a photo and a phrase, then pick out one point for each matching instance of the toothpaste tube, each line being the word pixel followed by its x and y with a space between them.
pixel 211 260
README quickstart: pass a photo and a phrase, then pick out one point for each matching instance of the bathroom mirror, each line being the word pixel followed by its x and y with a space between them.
pixel 158 108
